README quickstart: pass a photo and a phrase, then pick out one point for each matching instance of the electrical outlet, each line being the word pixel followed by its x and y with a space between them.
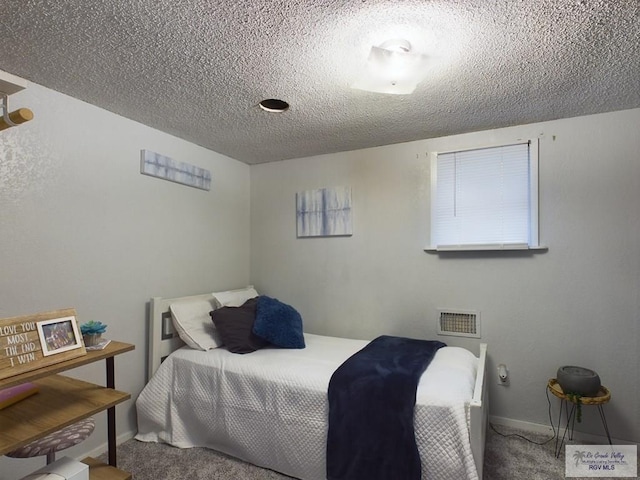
pixel 503 375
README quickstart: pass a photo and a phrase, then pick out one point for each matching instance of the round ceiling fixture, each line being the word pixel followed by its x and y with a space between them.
pixel 274 105
pixel 397 45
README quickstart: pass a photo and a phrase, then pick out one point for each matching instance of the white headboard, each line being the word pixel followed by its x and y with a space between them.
pixel 163 338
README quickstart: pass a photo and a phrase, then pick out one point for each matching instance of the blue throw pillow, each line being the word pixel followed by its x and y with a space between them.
pixel 278 323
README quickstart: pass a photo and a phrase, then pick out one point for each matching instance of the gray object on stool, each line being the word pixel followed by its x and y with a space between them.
pixel 56 441
pixel 579 380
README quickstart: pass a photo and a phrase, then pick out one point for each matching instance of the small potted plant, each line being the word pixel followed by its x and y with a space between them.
pixel 92 332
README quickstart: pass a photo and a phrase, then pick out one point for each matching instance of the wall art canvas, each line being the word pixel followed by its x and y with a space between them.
pixel 324 212
pixel 157 165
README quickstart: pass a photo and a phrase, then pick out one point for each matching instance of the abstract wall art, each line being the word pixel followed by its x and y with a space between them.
pixel 324 212
pixel 159 166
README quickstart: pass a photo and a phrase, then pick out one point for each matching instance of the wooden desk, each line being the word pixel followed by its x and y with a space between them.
pixel 63 401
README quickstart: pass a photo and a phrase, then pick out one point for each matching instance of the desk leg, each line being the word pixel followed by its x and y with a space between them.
pixel 111 415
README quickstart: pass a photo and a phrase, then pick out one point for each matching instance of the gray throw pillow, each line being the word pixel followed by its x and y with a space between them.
pixel 235 325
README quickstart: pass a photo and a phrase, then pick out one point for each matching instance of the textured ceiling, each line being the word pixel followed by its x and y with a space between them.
pixel 198 68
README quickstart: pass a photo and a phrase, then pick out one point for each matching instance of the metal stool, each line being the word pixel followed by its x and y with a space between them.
pixel 603 396
pixel 56 441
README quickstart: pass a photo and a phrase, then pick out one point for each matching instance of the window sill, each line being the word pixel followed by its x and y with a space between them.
pixel 485 248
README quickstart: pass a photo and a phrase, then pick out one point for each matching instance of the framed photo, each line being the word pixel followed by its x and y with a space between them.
pixel 59 335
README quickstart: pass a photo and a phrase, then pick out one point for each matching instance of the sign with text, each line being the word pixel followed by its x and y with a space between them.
pixel 614 461
pixel 35 341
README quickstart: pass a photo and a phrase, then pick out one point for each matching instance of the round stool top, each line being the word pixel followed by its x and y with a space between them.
pixel 603 395
pixel 56 441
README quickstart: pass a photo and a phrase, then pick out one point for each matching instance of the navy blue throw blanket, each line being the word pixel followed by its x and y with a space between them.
pixel 372 397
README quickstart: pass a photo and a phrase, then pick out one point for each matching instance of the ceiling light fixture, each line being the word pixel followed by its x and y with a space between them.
pixel 274 105
pixel 393 68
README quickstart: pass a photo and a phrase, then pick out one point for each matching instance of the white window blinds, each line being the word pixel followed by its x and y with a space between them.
pixel 485 198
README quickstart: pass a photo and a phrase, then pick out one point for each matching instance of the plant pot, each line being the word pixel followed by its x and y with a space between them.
pixel 91 340
pixel 578 380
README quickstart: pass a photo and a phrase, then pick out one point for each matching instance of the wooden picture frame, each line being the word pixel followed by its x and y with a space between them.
pixel 23 345
pixel 59 335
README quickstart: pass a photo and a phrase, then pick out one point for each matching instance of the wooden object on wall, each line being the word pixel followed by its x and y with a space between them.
pixel 10 84
pixel 20 343
pixel 18 116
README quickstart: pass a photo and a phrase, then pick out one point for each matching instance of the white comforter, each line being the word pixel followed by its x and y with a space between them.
pixel 270 407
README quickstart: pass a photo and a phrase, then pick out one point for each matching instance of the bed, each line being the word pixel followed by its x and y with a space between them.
pixel 270 408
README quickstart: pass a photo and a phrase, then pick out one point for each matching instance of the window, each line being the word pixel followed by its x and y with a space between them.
pixel 485 199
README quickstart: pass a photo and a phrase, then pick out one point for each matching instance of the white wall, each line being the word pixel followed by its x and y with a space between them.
pixel 81 227
pixel 577 304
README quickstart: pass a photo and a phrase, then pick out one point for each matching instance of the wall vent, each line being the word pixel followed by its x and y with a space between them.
pixel 459 323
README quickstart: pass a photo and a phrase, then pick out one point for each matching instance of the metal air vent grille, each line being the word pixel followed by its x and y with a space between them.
pixel 459 323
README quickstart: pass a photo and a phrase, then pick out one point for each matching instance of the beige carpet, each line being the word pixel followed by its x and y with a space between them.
pixel 506 458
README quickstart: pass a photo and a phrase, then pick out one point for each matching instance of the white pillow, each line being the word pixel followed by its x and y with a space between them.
pixel 194 325
pixel 235 298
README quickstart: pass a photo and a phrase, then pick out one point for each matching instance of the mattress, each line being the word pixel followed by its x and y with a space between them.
pixel 270 407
